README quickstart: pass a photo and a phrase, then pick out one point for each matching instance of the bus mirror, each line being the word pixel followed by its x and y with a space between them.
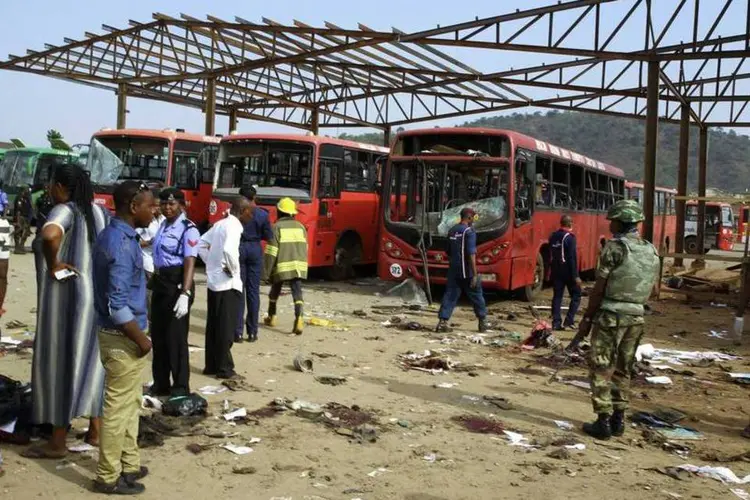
pixel 323 210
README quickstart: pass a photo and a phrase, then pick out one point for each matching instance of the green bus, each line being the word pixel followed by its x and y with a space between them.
pixel 30 167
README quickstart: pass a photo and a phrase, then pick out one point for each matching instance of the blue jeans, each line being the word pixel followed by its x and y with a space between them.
pixel 453 290
pixel 250 271
pixel 560 283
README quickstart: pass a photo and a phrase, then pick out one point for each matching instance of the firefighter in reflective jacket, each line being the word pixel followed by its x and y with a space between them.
pixel 285 261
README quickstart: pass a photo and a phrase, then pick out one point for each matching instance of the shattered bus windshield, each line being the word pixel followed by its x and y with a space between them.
pixel 450 187
pixel 128 158
pixel 18 167
pixel 274 168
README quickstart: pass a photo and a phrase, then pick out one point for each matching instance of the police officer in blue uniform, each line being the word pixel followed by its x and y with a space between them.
pixel 251 265
pixel 462 273
pixel 175 248
pixel 564 271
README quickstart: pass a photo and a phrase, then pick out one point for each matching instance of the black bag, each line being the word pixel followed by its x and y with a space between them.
pixel 185 406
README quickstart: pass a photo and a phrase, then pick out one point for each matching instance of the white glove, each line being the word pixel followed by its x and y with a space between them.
pixel 181 307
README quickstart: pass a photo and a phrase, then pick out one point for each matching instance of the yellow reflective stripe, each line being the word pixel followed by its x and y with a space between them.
pixel 292 235
pixel 299 302
pixel 272 250
pixel 294 265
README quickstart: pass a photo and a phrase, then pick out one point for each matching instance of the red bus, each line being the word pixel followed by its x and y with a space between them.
pixel 664 211
pixel 719 228
pixel 160 158
pixel 334 183
pixel 743 219
pixel 519 187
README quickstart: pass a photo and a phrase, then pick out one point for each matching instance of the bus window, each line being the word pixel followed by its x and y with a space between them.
pixel 523 203
pixel 207 163
pixel 328 178
pixel 560 194
pixel 358 171
pixel 726 217
pixel 576 187
pixel 591 190
pixel 543 196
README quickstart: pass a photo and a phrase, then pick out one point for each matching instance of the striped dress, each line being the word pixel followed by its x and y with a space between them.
pixel 67 376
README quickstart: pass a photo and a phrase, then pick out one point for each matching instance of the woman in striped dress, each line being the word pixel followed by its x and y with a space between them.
pixel 67 376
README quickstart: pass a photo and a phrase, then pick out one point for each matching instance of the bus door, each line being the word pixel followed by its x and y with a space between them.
pixel 523 248
pixel 186 175
pixel 330 166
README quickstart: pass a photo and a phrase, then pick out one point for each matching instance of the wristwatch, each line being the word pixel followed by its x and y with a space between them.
pixel 189 293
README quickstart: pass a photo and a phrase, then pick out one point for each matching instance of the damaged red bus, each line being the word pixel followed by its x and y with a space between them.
pixel 665 214
pixel 159 158
pixel 519 186
pixel 333 181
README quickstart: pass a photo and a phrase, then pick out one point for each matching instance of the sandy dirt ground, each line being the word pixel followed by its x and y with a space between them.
pixel 420 452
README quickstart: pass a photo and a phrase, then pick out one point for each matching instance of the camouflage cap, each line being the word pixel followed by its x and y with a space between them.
pixel 625 211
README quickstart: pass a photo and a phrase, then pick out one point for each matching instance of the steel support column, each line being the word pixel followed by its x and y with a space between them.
pixel 210 99
pixel 387 137
pixel 702 161
pixel 315 122
pixel 649 163
pixel 122 106
pixel 232 120
pixel 679 244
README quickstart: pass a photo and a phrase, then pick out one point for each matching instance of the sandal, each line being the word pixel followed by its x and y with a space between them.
pixel 42 452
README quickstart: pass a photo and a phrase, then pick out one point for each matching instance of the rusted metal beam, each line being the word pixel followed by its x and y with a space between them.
pixel 702 168
pixel 122 106
pixel 682 177
pixel 649 163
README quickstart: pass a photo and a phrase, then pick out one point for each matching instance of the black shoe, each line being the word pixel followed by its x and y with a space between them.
pixel 121 487
pixel 179 392
pixel 599 429
pixel 238 340
pixel 158 392
pixel 442 327
pixel 558 328
pixel 226 375
pixel 132 477
pixel 483 326
pixel 210 373
pixel 617 423
pixel 252 338
pixel 572 326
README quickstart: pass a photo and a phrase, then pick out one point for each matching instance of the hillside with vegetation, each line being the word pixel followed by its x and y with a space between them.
pixel 620 142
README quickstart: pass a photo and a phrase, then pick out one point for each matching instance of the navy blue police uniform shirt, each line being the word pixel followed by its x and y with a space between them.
pixel 462 244
pixel 254 231
pixel 562 245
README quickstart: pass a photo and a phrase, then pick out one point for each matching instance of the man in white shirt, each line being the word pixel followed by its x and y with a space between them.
pixel 220 250
pixel 147 235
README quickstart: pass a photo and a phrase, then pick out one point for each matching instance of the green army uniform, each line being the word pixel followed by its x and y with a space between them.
pixel 630 265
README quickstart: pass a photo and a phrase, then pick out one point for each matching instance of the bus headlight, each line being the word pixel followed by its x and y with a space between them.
pixel 388 245
pixel 212 207
pixel 484 259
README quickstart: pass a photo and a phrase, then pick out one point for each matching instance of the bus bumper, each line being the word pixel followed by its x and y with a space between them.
pixel 494 277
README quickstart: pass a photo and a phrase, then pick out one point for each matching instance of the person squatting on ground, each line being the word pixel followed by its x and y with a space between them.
pixel 67 377
pixel 286 262
pixel 257 229
pixel 220 250
pixel 23 212
pixel 120 301
pixel 175 249
pixel 462 273
pixel 626 275
pixel 564 273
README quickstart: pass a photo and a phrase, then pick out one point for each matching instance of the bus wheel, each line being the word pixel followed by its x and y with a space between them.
pixel 528 292
pixel 691 245
pixel 348 253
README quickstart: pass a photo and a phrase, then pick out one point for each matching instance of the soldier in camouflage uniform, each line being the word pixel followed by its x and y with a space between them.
pixel 626 275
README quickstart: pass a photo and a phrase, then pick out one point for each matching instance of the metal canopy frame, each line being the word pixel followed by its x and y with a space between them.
pixel 310 77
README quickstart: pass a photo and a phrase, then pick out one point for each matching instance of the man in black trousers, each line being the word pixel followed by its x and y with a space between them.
pixel 564 267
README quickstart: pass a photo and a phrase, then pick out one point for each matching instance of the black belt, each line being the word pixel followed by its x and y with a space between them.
pixel 172 274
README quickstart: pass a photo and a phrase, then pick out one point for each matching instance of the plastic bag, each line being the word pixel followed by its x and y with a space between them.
pixel 185 406
pixel 488 211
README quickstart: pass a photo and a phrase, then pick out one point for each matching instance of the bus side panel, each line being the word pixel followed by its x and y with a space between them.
pixel 321 242
pixel 358 212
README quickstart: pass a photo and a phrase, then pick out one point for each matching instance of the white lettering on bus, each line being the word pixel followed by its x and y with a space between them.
pixel 554 150
pixel 541 146
pixel 565 153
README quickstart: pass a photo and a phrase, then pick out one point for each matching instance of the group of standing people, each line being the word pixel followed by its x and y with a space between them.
pixel 93 311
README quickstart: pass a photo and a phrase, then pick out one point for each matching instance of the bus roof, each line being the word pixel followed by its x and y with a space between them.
pixel 311 139
pixel 51 151
pixel 710 203
pixel 630 184
pixel 166 134
pixel 524 141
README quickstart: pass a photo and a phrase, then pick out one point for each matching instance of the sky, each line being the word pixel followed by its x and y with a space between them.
pixel 33 104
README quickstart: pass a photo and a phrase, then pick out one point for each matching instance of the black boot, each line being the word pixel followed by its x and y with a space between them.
pixel 617 423
pixel 442 327
pixel 483 326
pixel 599 429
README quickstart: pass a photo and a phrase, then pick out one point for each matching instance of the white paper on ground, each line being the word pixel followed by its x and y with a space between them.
pixel 211 390
pixel 577 446
pixel 155 403
pixel 562 424
pixel 744 495
pixel 516 439
pixel 240 412
pixel 254 440
pixel 739 375
pixel 9 428
pixel 723 474
pixel 659 380
pixel 237 450
pixel 378 472
pixel 9 341
pixel 80 448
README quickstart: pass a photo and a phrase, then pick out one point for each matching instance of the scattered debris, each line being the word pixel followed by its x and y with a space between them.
pixel 81 448
pixel 740 493
pixel 237 450
pixel 185 406
pixel 323 355
pixel 673 472
pixel 151 402
pixel 15 325
pixel 677 357
pixel 660 380
pixel 359 313
pixel 211 390
pixel 244 470
pixel 197 449
pixel 303 363
pixel 233 415
pixel 722 474
pixel 404 423
pixel 445 385
pixel 408 291
pixel 426 361
pixel 562 424
pixel 330 379
pixel 559 454
pixel 541 336
pixel 516 439
pixel 740 378
pixel 238 383
pixel 378 472
pixel 479 425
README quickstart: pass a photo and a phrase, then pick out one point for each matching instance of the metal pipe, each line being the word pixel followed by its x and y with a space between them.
pixel 232 120
pixel 210 106
pixel 649 164
pixel 702 160
pixel 315 121
pixel 682 173
pixel 122 105
pixel 387 137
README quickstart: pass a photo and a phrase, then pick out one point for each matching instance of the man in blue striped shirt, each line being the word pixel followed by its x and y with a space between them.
pixel 462 273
